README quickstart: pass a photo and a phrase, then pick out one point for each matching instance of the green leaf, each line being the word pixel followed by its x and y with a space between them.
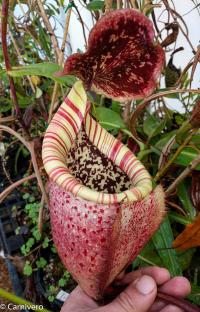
pixel 141 144
pixel 62 282
pixel 66 275
pixel 152 126
pixel 38 93
pixel 173 96
pixel 116 107
pixel 184 197
pixel 165 138
pixel 51 298
pixel 42 69
pixel 186 156
pixel 31 199
pixel 159 128
pixel 26 196
pixel 196 140
pixel 148 256
pixel 30 242
pixel 108 118
pixel 53 249
pixel 5 105
pixel 173 216
pixel 41 263
pixel 24 101
pixel 185 258
pixel 17 230
pixel 23 249
pixel 144 153
pixel 36 234
pixel 2 72
pixel 46 242
pixel 95 5
pixel 162 240
pixel 53 289
pixel 44 40
pixel 25 152
pixel 195 295
pixel 27 269
pixel 149 124
pixel 183 132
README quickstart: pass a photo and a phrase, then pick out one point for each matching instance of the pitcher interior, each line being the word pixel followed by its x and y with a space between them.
pixel 93 169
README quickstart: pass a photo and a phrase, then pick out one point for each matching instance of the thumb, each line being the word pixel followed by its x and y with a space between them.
pixel 137 297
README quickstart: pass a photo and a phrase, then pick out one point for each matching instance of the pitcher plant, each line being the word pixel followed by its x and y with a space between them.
pixel 102 206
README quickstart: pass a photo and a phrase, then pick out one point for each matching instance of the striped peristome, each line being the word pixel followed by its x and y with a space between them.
pixel 97 232
pixel 59 137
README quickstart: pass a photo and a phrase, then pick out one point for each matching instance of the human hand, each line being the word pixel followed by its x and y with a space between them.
pixel 139 296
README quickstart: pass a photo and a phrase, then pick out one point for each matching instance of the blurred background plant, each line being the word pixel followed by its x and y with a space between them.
pixel 34 44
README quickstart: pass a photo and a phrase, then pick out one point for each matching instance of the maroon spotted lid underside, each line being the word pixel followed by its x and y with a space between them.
pixel 122 61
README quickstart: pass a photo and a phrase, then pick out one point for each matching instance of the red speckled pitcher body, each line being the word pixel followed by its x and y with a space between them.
pixel 103 209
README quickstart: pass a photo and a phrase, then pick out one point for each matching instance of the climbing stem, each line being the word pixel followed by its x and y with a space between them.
pixel 162 172
pixel 4 24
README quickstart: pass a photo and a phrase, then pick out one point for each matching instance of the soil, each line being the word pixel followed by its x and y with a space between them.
pixel 5 282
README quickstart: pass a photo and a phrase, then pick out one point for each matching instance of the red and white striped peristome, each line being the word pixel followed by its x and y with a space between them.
pixel 97 233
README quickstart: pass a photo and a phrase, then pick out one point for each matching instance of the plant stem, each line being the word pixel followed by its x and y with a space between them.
pixel 65 35
pixel 126 111
pixel 4 23
pixel 146 260
pixel 7 119
pixel 61 58
pixel 53 100
pixel 40 216
pixel 174 14
pixel 118 4
pixel 50 29
pixel 108 6
pixel 36 248
pixel 30 147
pixel 177 207
pixel 193 164
pixel 13 298
pixel 21 58
pixel 134 4
pixel 171 160
pixel 179 302
pixel 16 134
pixel 10 188
pixel 37 172
pixel 82 24
pixel 140 108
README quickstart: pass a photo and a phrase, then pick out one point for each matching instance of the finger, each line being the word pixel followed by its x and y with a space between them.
pixel 78 301
pixel 171 308
pixel 178 286
pixel 159 306
pixel 138 296
pixel 160 275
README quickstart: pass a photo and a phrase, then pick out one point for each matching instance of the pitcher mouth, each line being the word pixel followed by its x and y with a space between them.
pixel 60 138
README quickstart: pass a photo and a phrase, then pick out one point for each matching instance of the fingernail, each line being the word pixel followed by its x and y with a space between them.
pixel 145 285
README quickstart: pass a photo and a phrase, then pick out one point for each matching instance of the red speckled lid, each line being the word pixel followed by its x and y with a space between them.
pixel 122 60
